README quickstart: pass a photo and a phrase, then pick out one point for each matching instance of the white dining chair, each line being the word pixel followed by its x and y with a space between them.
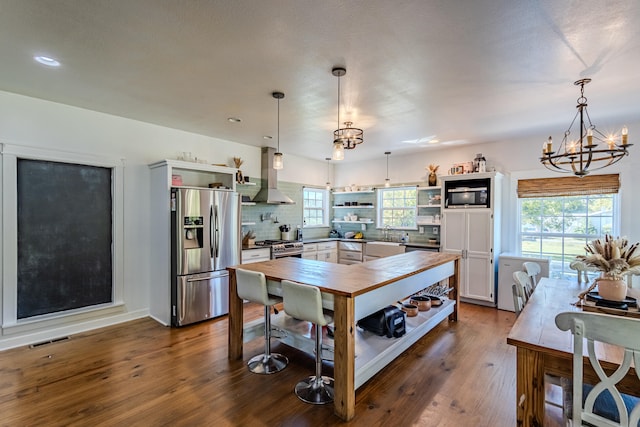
pixel 523 280
pixel 533 270
pixel 518 298
pixel 602 404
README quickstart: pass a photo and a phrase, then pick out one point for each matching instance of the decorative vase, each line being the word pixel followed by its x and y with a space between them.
pixel 433 179
pixel 612 289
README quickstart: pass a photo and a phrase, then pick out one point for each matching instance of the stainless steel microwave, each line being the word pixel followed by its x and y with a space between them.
pixel 466 197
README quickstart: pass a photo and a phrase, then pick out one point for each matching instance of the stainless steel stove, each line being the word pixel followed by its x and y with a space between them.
pixel 283 248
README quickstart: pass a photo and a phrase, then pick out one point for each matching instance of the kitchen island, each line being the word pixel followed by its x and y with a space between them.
pixel 358 290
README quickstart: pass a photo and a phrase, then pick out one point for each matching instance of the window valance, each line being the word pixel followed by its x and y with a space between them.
pixel 569 186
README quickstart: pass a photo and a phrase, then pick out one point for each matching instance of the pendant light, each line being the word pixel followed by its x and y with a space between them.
pixel 580 156
pixel 328 186
pixel 387 182
pixel 277 156
pixel 348 137
pixel 338 147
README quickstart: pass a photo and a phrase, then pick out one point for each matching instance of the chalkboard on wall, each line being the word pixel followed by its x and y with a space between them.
pixel 65 237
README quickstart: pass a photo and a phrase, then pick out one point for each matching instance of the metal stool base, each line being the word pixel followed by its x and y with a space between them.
pixel 267 363
pixel 315 392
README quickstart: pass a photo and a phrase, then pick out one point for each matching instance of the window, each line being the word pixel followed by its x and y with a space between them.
pixel 315 207
pixel 558 228
pixel 397 207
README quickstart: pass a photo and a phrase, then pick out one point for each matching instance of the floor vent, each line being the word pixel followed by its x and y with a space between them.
pixel 40 344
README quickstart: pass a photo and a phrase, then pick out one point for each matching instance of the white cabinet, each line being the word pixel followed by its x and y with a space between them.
pixel 349 252
pixel 328 251
pixel 256 255
pixel 322 251
pixel 310 251
pixel 474 234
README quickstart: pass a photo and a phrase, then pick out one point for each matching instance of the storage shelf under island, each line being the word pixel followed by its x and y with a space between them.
pixel 373 352
pixel 357 290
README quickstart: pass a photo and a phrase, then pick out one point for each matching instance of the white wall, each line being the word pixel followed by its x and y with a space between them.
pixel 33 122
pixel 28 121
pixel 515 159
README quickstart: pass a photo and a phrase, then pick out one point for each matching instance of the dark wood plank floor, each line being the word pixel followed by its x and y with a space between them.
pixel 143 374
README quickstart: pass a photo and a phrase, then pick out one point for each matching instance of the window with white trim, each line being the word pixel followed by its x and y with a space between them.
pixel 558 228
pixel 315 207
pixel 397 208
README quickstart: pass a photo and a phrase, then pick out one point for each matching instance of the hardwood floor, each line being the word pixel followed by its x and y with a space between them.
pixel 143 374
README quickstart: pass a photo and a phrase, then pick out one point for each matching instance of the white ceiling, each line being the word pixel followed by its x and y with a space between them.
pixel 465 71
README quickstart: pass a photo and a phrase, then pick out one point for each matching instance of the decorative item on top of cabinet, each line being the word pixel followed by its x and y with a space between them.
pixel 238 162
pixel 433 177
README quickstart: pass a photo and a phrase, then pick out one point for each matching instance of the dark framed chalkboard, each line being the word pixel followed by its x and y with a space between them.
pixel 65 236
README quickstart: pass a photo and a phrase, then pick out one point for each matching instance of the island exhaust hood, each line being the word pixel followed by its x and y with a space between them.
pixel 270 193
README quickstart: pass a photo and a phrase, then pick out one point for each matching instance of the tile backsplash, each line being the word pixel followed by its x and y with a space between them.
pixel 265 219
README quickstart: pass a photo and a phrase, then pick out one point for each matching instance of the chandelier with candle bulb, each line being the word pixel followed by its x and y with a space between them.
pixel 591 151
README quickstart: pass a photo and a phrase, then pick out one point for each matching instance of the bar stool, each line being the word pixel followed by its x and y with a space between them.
pixel 304 302
pixel 252 286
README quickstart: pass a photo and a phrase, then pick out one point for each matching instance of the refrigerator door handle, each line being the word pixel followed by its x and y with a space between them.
pixel 200 279
pixel 210 232
pixel 217 235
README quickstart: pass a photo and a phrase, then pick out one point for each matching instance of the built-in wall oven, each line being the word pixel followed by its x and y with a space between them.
pixel 472 193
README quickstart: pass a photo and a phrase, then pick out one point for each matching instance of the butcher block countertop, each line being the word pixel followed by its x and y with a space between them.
pixel 350 280
pixel 358 290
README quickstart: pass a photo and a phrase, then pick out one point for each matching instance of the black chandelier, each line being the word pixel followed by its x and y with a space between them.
pixel 592 151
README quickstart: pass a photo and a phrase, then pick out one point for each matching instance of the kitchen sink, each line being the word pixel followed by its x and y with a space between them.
pixel 383 249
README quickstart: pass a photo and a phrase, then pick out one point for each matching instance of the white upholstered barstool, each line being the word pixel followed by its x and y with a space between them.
pixel 252 286
pixel 304 302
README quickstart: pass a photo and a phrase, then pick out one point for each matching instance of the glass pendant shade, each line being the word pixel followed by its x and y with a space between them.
pixel 387 181
pixel 338 151
pixel 277 161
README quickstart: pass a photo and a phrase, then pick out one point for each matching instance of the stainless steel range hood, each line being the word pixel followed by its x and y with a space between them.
pixel 269 192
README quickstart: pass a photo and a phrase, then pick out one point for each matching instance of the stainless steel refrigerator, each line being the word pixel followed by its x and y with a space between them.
pixel 205 240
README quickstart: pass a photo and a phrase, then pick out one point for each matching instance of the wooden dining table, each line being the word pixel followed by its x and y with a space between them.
pixel 542 348
pixel 357 290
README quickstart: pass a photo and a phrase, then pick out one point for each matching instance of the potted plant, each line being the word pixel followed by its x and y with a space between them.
pixel 614 258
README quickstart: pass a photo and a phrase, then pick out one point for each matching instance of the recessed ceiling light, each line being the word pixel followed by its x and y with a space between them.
pixel 47 60
pixel 234 119
pixel 267 137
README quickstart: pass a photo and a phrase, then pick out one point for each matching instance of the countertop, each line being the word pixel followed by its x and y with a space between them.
pixel 340 239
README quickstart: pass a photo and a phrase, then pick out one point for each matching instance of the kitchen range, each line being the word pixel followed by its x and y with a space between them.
pixel 283 248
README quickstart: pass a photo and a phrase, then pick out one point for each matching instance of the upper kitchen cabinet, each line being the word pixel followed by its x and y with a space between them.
pixel 471 229
pixel 178 173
